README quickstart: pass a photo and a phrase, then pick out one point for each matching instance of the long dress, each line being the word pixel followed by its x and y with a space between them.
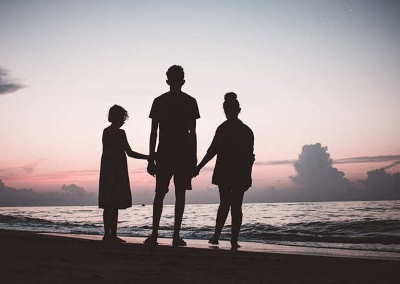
pixel 114 186
pixel 233 144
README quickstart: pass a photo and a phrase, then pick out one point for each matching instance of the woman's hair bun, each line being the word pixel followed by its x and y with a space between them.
pixel 230 97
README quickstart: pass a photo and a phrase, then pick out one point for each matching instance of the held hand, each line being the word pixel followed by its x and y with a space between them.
pixel 151 168
pixel 196 171
pixel 151 157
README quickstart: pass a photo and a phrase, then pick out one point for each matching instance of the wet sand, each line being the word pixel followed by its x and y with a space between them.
pixel 35 258
pixel 257 247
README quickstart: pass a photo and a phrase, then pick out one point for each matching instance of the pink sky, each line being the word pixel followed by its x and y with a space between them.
pixel 263 176
pixel 304 71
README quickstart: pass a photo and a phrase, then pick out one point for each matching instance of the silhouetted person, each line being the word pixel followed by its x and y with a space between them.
pixel 174 116
pixel 114 187
pixel 233 144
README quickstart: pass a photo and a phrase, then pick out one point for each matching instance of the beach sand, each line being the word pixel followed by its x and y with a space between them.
pixel 34 258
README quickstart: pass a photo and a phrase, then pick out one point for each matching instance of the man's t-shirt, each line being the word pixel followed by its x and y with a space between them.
pixel 175 113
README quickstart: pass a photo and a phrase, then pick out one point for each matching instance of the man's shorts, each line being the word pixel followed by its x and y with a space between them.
pixel 164 173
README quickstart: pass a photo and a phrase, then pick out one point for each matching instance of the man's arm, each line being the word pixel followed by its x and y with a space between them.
pixel 153 137
pixel 193 139
pixel 151 168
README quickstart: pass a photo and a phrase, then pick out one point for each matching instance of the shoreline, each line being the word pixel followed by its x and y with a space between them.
pixel 30 257
pixel 256 247
pixel 149 203
pixel 249 245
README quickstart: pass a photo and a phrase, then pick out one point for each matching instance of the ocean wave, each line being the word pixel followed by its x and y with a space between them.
pixel 351 232
pixel 38 222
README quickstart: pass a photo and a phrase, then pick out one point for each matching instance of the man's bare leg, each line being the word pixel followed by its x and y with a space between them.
pixel 157 211
pixel 180 195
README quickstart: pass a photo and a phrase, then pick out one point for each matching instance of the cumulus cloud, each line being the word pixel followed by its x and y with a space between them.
pixel 317 178
pixel 7 85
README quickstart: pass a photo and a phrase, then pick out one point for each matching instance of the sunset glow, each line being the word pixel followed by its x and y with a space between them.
pixel 304 72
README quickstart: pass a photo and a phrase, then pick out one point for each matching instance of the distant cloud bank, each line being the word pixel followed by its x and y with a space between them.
pixel 316 179
pixel 352 160
pixel 6 85
pixel 68 195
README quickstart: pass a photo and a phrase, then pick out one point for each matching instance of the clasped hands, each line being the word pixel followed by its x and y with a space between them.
pixel 152 167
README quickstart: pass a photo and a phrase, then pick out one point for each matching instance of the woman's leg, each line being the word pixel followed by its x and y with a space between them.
pixel 236 212
pixel 223 210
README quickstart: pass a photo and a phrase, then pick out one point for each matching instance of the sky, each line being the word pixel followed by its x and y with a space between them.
pixel 304 71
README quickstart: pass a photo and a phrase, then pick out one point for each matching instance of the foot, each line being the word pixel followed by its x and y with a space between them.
pixel 178 242
pixel 235 244
pixel 106 238
pixel 118 240
pixel 151 241
pixel 213 240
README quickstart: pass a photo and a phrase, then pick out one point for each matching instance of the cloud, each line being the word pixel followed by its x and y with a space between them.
pixel 6 85
pixel 68 195
pixel 380 185
pixel 368 159
pixel 351 160
pixel 66 174
pixel 317 178
pixel 391 165
pixel 23 170
pixel 73 188
pixel 31 167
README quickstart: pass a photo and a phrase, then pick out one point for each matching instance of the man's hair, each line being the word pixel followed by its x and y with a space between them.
pixel 117 113
pixel 175 73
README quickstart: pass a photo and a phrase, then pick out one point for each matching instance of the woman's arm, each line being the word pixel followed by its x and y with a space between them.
pixel 207 157
pixel 211 152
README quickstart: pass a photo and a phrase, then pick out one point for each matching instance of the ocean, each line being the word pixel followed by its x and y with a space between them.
pixel 366 225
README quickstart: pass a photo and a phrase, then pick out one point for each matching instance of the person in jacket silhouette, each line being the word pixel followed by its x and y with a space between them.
pixel 233 145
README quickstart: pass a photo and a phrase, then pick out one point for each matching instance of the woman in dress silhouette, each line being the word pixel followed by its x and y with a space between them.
pixel 233 145
pixel 114 186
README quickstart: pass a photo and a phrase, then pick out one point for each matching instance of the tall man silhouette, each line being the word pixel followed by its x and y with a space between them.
pixel 174 117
